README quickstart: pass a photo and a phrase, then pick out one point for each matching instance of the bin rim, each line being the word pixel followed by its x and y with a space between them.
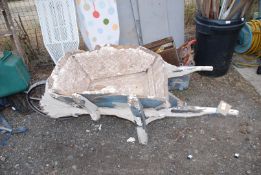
pixel 215 22
pixel 207 25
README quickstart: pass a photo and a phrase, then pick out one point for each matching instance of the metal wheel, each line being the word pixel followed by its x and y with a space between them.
pixel 34 95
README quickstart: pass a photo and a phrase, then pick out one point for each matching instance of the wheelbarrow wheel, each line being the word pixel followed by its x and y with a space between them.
pixel 34 95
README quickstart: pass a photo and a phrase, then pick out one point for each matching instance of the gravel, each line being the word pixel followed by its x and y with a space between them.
pixel 76 146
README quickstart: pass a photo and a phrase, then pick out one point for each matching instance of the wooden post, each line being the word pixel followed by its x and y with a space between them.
pixel 11 28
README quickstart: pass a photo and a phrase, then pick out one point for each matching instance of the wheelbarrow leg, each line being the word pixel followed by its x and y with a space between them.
pixel 139 118
pixel 88 105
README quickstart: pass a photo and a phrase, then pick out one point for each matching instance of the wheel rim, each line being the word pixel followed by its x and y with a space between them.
pixel 34 95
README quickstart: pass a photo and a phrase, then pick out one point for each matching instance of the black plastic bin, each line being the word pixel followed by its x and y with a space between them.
pixel 216 40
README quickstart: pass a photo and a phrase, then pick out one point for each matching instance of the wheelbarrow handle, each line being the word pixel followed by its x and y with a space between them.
pixel 195 68
pixel 174 71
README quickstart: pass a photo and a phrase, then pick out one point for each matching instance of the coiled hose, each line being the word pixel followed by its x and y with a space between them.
pixel 256 40
pixel 255 47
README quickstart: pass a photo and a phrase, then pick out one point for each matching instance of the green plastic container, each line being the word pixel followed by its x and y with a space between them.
pixel 14 76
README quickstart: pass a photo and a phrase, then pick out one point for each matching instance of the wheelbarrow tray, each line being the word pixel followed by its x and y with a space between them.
pixel 117 70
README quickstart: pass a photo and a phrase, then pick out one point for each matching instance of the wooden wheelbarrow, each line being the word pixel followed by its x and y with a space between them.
pixel 127 82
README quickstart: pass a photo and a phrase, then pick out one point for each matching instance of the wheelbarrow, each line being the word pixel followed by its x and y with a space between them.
pixel 127 82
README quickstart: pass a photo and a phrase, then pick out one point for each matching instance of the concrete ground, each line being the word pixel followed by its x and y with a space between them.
pixel 77 146
pixel 249 74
